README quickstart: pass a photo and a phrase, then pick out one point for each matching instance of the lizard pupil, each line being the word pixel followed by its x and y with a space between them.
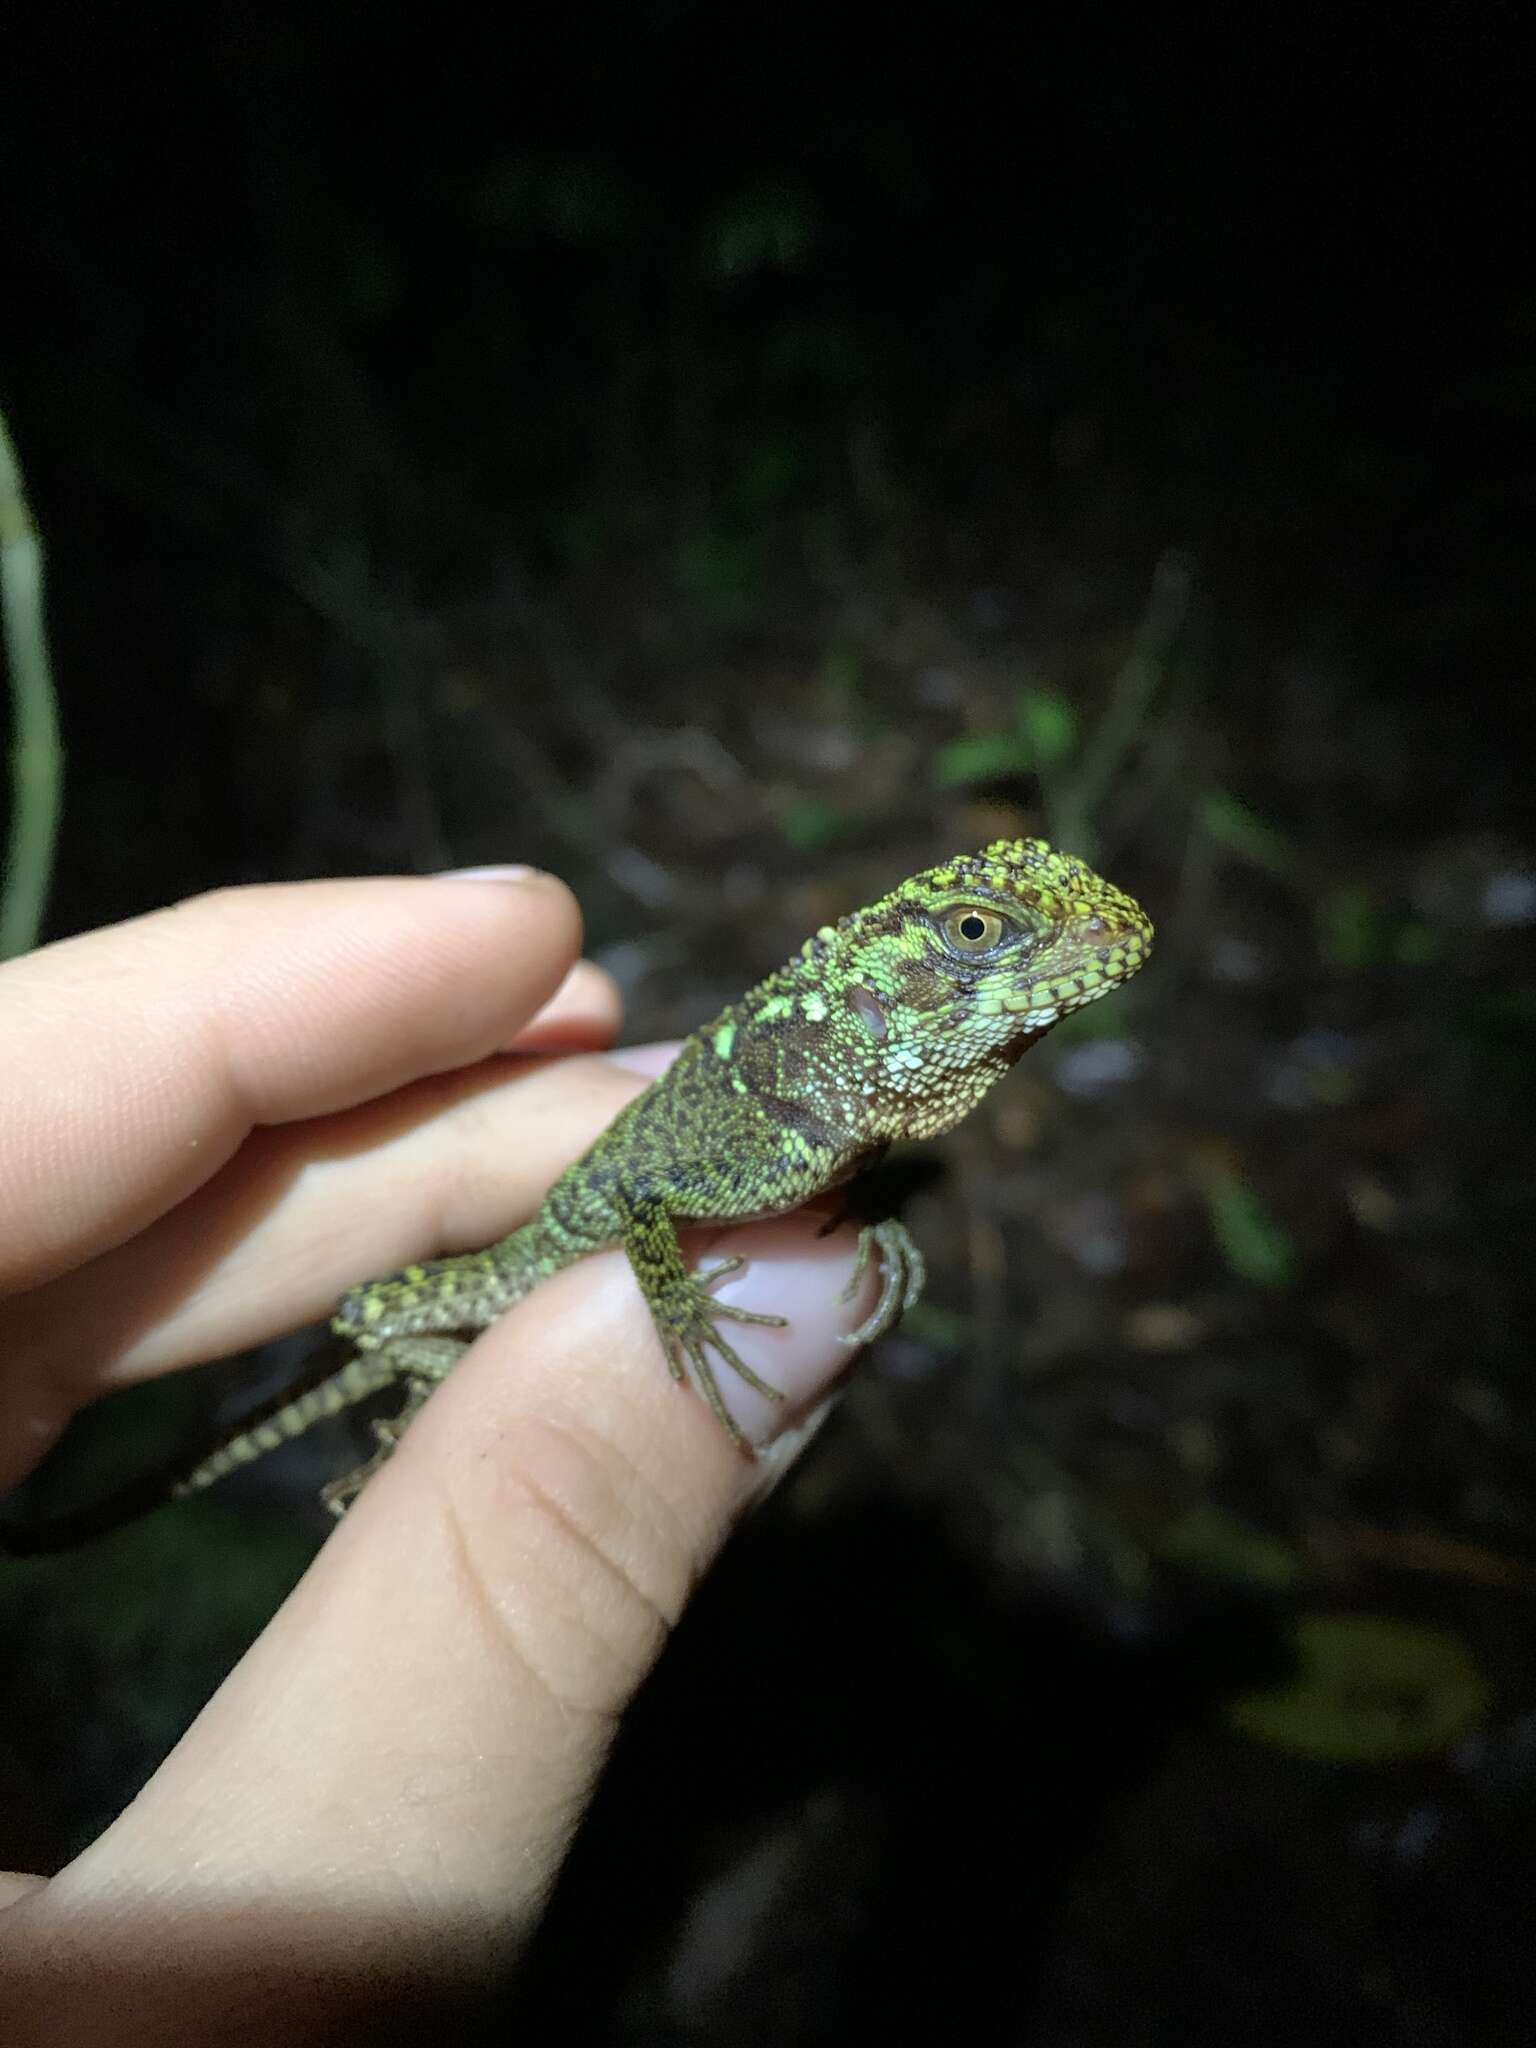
pixel 971 931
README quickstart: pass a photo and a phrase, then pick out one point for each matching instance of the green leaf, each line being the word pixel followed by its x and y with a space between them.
pixel 1242 831
pixel 939 1328
pixel 1370 1690
pixel 982 756
pixel 810 822
pixel 1044 733
pixel 1047 725
pixel 1253 1244
pixel 1349 928
pixel 1221 1546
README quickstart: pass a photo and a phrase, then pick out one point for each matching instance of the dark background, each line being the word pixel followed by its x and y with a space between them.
pixel 732 457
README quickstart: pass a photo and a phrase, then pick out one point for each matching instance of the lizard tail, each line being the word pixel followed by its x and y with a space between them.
pixel 358 1378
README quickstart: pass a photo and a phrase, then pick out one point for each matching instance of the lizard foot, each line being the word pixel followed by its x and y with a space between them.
pixel 688 1317
pixel 903 1272
pixel 422 1362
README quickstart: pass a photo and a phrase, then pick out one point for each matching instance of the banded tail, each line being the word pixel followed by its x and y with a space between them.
pixel 358 1378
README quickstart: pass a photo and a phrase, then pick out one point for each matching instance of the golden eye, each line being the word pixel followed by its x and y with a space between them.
pixel 973 931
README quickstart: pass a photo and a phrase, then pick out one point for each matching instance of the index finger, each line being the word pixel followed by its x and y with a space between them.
pixel 134 1061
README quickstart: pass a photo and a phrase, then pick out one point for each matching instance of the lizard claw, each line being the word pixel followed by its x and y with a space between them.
pixel 708 1275
pixel 903 1273
pixel 689 1325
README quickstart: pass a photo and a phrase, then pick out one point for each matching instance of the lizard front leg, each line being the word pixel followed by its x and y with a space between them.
pixel 903 1276
pixel 687 1315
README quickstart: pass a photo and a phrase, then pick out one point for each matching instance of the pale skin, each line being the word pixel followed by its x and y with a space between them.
pixel 214 1120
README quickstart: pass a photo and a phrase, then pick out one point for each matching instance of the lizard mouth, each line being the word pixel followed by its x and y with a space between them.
pixel 1102 968
pixel 1102 964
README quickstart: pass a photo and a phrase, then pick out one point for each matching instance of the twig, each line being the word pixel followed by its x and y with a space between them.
pixel 1129 696
pixel 37 757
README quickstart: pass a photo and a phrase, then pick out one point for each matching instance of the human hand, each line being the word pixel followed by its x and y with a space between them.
pixel 215 1119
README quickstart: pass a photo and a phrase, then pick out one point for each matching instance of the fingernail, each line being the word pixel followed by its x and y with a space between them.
pixel 512 872
pixel 777 1458
pixel 646 1060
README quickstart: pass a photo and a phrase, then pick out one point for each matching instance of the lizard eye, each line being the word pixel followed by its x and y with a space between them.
pixel 970 930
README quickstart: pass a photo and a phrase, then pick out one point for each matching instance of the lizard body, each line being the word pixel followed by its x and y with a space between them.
pixel 891 1024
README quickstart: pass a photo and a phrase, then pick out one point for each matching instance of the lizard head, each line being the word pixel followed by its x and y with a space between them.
pixel 965 963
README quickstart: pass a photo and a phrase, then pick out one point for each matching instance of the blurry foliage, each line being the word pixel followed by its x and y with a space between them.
pixel 769 228
pixel 840 680
pixel 1350 928
pixel 1232 825
pixel 1042 737
pixel 1416 944
pixel 1219 1545
pixel 1370 1690
pixel 1252 1242
pixel 718 572
pixel 37 757
pixel 811 823
pixel 1078 770
pixel 1357 934
pixel 147 1624
pixel 573 199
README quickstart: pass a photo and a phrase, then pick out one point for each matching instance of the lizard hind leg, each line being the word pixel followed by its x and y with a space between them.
pixel 360 1377
pixel 423 1363
pixel 467 1291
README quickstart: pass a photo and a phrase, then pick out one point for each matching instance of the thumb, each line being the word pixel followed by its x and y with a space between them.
pixel 382 1791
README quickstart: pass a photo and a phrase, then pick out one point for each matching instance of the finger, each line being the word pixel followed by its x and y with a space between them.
pixel 300 1214
pixel 402 1757
pixel 134 1061
pixel 304 1210
pixel 583 1015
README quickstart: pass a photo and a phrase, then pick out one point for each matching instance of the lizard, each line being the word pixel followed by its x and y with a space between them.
pixel 889 1025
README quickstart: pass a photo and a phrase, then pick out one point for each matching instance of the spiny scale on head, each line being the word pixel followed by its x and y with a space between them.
pixel 901 1015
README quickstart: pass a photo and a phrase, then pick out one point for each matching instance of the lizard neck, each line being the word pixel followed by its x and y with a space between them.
pixel 875 1064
